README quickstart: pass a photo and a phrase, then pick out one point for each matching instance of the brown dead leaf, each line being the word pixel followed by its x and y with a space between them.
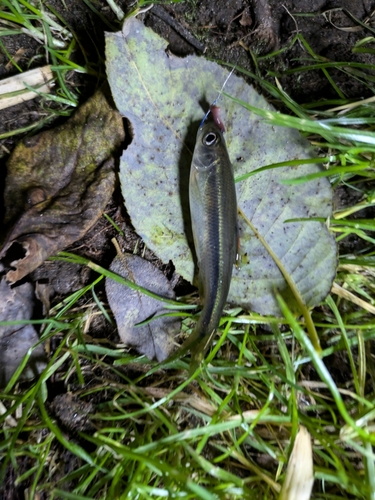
pixel 59 182
pixel 246 19
pixel 129 307
pixel 15 59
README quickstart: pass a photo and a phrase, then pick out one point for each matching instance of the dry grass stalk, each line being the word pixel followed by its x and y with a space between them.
pixel 14 91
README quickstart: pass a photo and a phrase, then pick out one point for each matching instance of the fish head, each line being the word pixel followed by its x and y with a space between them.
pixel 209 147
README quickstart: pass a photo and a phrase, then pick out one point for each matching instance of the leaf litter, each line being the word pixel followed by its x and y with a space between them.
pixel 165 107
pixel 16 339
pixel 49 208
pixel 155 339
pixel 57 186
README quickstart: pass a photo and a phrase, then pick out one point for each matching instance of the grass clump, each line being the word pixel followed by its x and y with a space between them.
pixel 60 47
pixel 122 427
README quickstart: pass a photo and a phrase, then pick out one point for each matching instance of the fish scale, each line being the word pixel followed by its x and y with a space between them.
pixel 213 266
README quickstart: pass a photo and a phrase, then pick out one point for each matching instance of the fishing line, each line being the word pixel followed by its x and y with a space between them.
pixel 217 98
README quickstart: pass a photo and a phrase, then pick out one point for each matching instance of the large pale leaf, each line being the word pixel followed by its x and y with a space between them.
pixel 164 98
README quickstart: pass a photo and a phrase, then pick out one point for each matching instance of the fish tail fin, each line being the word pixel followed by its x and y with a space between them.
pixel 197 344
pixel 199 349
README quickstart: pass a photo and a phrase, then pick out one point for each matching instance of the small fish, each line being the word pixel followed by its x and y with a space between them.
pixel 213 209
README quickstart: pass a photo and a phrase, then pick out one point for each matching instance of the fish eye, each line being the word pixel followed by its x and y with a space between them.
pixel 210 139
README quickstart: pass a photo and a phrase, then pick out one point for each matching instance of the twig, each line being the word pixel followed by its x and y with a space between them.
pixel 159 12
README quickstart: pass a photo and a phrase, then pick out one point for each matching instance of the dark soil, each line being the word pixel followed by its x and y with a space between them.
pixel 227 30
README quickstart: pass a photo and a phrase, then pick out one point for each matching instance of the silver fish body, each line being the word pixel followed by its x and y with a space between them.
pixel 213 209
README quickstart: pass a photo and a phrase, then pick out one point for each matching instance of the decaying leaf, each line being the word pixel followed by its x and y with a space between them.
pixel 129 307
pixel 165 107
pixel 15 340
pixel 59 182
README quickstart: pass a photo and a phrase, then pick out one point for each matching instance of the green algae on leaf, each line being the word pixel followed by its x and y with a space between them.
pixel 164 98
